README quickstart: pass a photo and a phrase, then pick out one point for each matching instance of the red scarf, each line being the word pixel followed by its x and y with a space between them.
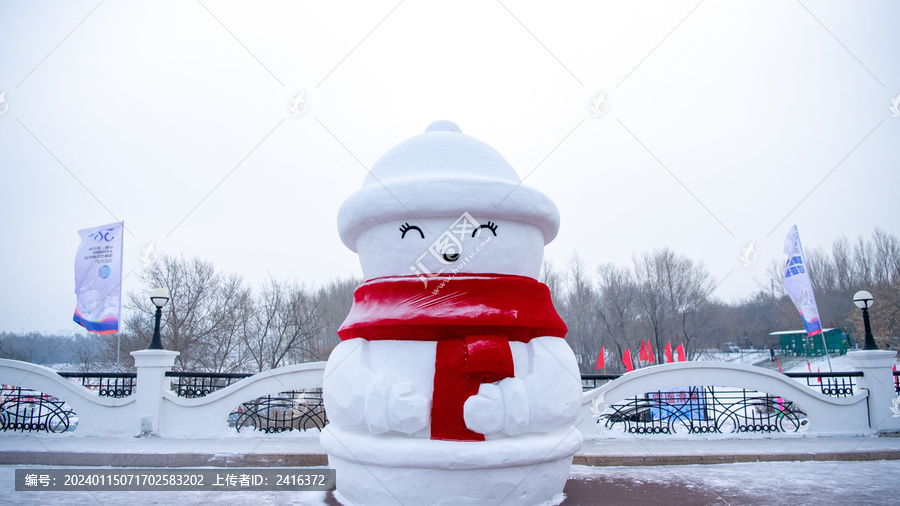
pixel 472 317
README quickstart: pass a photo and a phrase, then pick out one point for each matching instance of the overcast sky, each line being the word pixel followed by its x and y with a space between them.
pixel 725 123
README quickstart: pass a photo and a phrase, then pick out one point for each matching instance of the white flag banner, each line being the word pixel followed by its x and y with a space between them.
pixel 98 278
pixel 798 285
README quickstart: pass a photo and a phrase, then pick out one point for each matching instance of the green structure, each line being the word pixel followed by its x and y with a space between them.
pixel 798 343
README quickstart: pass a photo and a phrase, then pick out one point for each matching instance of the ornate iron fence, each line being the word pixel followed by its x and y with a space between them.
pixel 286 411
pixel 704 410
pixel 26 410
pixel 191 385
pixel 105 384
pixel 834 384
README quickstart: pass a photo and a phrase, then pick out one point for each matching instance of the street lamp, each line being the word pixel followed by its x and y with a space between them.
pixel 864 301
pixel 159 297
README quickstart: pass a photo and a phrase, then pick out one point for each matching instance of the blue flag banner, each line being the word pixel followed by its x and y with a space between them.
pixel 798 285
pixel 98 278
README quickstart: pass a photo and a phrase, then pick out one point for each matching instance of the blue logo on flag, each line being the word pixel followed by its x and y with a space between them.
pixel 104 271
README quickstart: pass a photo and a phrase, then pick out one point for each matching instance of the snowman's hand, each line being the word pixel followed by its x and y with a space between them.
pixel 395 406
pixel 498 407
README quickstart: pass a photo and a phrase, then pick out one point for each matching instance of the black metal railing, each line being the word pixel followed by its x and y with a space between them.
pixel 286 411
pixel 105 384
pixel 704 410
pixel 592 381
pixel 897 382
pixel 834 384
pixel 191 385
pixel 26 410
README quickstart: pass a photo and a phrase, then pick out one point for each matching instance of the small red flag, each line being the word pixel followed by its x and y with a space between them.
pixel 626 359
pixel 808 366
pixel 680 352
pixel 642 355
pixel 669 358
pixel 650 356
pixel 819 369
pixel 601 362
pixel 895 367
pixel 779 364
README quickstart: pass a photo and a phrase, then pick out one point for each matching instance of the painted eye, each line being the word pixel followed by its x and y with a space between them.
pixel 490 226
pixel 406 227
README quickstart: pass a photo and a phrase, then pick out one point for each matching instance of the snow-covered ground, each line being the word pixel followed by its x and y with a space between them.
pixel 839 363
pixel 819 483
pixel 751 357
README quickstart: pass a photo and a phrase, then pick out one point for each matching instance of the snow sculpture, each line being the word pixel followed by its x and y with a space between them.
pixel 452 383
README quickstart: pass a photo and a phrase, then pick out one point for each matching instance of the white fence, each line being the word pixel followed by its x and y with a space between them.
pixel 773 397
pixel 154 408
pixel 755 400
pixel 96 415
pixel 206 415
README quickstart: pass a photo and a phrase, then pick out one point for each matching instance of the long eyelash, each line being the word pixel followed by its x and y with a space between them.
pixel 406 227
pixel 490 226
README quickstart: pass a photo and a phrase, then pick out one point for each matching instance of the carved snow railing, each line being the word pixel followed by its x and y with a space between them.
pixel 257 396
pixel 704 397
pixel 95 414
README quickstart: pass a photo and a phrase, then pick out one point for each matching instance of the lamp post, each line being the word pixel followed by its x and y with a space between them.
pixel 864 301
pixel 159 297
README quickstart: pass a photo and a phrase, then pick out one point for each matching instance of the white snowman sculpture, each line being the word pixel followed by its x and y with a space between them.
pixel 452 383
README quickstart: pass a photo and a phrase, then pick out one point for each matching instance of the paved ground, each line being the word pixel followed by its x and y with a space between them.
pixel 772 470
pixel 304 450
pixel 762 483
pixel 819 483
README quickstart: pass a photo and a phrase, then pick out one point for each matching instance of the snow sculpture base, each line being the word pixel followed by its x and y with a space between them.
pixel 527 469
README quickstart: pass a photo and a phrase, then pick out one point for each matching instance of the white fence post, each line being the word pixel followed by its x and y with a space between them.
pixel 151 368
pixel 878 378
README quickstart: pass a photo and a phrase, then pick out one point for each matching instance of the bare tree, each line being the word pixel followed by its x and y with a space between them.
pixel 689 289
pixel 580 314
pixel 203 320
pixel 86 352
pixel 863 262
pixel 674 296
pixel 335 300
pixel 284 321
pixel 123 343
pixel 886 264
pixel 842 256
pixel 554 281
pixel 650 271
pixel 617 308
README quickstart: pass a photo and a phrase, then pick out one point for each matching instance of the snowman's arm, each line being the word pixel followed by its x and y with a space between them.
pixel 544 394
pixel 356 396
pixel 552 381
pixel 347 376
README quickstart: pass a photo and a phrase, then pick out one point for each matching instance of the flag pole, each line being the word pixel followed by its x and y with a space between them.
pixel 825 348
pixel 119 323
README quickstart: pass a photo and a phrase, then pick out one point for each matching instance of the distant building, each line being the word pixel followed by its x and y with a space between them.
pixel 798 343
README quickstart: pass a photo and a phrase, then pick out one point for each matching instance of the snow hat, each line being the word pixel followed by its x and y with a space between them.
pixel 440 173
